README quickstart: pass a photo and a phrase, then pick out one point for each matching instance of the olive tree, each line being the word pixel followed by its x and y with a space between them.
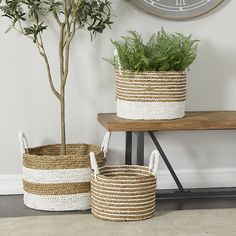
pixel 30 17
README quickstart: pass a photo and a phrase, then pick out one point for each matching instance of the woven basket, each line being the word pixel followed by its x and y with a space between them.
pixel 58 183
pixel 124 193
pixel 150 95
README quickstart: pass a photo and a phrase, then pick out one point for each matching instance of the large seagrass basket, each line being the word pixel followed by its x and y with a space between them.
pixel 150 95
pixel 59 183
pixel 124 193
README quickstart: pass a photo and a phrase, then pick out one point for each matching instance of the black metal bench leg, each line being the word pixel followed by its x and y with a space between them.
pixel 164 157
pixel 128 148
pixel 140 148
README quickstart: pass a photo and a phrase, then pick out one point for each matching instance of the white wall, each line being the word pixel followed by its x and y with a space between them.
pixel 27 103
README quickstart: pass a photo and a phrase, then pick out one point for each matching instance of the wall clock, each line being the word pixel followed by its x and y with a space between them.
pixel 177 9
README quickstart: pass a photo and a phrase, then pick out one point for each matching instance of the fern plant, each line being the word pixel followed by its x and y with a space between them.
pixel 163 52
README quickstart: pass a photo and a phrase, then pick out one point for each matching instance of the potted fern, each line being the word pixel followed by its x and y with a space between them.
pixel 57 177
pixel 151 77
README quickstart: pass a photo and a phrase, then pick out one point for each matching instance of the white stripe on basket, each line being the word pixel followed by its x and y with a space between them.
pixel 117 206
pixel 126 195
pixel 126 210
pixel 127 83
pixel 57 175
pixel 117 219
pixel 114 184
pixel 128 201
pixel 110 216
pixel 118 182
pixel 142 77
pixel 145 92
pixel 114 189
pixel 152 87
pixel 130 177
pixel 125 167
pixel 150 110
pixel 58 202
pixel 135 169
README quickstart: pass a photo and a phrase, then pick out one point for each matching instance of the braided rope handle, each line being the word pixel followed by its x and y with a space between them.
pixel 94 164
pixel 105 143
pixel 24 146
pixel 154 162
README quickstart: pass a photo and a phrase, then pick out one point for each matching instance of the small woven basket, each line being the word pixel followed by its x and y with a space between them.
pixel 59 183
pixel 124 193
pixel 150 95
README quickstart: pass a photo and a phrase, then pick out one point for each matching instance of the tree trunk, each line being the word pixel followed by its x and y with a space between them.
pixel 63 126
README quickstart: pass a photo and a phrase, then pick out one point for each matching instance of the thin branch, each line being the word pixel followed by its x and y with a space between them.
pixel 66 13
pixel 72 5
pixel 68 31
pixel 55 15
pixel 42 52
pixel 56 18
pixel 21 30
pixel 61 47
pixel 67 50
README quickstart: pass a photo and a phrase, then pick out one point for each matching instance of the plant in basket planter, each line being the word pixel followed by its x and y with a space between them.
pixel 57 177
pixel 151 77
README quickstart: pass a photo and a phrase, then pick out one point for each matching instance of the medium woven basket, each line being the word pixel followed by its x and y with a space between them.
pixel 58 183
pixel 150 95
pixel 124 193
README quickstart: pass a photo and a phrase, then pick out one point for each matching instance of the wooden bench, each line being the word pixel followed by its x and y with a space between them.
pixel 197 120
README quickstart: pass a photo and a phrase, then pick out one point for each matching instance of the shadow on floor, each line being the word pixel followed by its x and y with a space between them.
pixel 13 206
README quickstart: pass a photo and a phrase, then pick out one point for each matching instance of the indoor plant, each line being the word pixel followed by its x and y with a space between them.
pixel 30 18
pixel 151 77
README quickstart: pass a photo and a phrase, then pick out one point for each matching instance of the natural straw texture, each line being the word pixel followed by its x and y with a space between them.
pixel 59 183
pixel 123 193
pixel 50 158
pixel 56 189
pixel 150 95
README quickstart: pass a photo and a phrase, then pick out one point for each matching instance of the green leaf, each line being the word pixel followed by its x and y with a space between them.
pixel 163 52
pixel 35 30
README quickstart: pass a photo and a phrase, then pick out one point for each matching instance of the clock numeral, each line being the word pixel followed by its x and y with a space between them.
pixel 180 2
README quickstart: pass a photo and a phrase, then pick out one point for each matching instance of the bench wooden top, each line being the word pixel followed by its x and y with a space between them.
pixel 198 120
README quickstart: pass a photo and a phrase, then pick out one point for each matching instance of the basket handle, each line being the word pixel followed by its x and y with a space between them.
pixel 154 161
pixel 94 164
pixel 105 143
pixel 24 147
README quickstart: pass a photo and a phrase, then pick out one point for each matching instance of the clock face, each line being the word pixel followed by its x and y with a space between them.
pixel 177 9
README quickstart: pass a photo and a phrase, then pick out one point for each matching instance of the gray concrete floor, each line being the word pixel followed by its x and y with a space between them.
pixel 13 206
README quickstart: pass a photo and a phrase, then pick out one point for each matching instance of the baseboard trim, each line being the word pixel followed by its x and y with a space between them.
pixel 11 184
pixel 209 178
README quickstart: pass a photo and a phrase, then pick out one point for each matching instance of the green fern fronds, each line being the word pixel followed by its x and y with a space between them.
pixel 163 52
